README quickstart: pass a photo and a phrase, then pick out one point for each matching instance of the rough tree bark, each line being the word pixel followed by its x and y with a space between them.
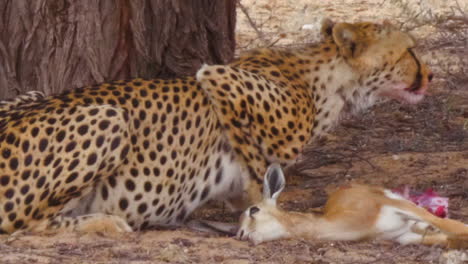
pixel 52 45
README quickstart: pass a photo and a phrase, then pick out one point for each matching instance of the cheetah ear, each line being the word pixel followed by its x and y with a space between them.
pixel 273 183
pixel 327 28
pixel 346 36
pixel 388 26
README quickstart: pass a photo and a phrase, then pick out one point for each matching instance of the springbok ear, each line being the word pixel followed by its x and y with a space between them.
pixel 274 183
pixel 346 36
pixel 327 28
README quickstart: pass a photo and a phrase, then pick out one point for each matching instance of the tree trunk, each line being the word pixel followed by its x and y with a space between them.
pixel 52 45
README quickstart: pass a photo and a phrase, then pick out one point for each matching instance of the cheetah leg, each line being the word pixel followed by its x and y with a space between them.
pixel 254 192
pixel 85 223
pixel 327 137
pixel 250 196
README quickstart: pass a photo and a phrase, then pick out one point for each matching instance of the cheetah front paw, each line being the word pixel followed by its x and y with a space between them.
pixel 103 223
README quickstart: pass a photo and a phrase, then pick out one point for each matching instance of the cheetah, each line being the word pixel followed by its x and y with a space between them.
pixel 131 154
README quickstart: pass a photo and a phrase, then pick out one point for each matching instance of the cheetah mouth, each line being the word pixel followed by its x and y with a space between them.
pixel 415 93
pixel 416 88
pixel 412 94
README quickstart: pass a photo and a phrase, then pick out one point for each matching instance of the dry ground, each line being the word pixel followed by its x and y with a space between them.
pixel 390 145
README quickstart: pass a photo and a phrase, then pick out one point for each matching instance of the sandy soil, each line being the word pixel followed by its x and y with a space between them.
pixel 423 146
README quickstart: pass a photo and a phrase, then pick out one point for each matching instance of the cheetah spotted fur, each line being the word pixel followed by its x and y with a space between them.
pixel 126 155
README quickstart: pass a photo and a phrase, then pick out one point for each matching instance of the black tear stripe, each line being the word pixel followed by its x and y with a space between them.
pixel 417 82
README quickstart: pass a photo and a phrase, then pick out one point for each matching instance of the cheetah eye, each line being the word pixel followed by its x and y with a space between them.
pixel 253 210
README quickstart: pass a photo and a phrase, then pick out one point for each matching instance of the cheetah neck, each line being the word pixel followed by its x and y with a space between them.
pixel 337 90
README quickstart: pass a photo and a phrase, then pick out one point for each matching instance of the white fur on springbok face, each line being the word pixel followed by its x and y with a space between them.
pixel 261 225
pixel 259 222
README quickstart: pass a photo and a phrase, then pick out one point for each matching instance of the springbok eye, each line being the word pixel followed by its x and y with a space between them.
pixel 253 210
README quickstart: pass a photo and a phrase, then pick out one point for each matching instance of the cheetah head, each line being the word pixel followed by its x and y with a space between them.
pixel 383 58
